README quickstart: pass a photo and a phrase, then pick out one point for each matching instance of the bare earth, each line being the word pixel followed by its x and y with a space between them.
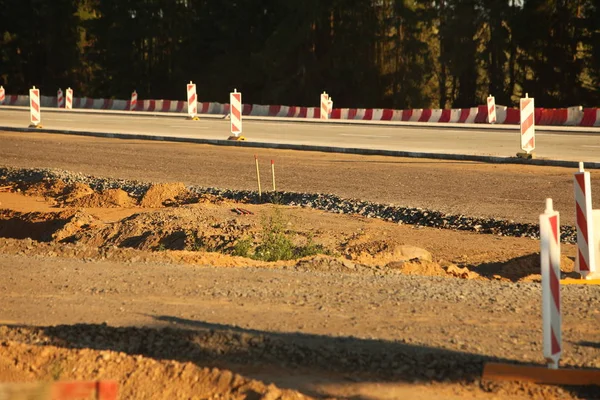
pixel 105 286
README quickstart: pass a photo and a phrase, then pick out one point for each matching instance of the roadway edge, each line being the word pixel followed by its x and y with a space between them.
pixel 325 149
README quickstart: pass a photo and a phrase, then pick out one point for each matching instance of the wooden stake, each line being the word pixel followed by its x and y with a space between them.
pixel 273 173
pixel 258 177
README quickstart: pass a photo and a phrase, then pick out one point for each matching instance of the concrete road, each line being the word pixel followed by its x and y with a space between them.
pixel 569 144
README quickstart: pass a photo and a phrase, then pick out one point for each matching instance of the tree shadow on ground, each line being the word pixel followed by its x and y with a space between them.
pixel 241 350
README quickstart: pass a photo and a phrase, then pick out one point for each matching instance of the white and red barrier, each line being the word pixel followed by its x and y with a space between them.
pixel 60 100
pixel 324 106
pixel 527 111
pixel 2 95
pixel 588 229
pixel 192 100
pixel 69 99
pixel 34 107
pixel 491 106
pixel 235 100
pixel 134 100
pixel 550 265
pixel 572 116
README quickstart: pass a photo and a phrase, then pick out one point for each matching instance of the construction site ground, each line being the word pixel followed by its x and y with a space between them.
pixel 147 291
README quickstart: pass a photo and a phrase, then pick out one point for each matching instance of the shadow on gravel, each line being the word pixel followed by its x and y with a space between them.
pixel 280 358
pixel 248 352
pixel 595 345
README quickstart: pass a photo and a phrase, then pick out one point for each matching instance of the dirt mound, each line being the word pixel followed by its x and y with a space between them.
pixel 525 268
pixel 76 191
pixel 163 193
pixel 417 267
pixel 46 188
pixel 381 252
pixel 107 199
pixel 327 263
pixel 138 377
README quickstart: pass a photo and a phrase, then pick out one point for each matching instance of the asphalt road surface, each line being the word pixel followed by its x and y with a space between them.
pixel 568 144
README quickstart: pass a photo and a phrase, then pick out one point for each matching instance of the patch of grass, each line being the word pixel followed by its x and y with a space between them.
pixel 310 249
pixel 243 247
pixel 275 244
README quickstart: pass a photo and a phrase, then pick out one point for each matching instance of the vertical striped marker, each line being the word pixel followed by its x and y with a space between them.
pixel 2 95
pixel 69 99
pixel 550 263
pixel 324 106
pixel 34 107
pixel 235 101
pixel 192 100
pixel 527 109
pixel 491 105
pixel 134 99
pixel 60 99
pixel 585 263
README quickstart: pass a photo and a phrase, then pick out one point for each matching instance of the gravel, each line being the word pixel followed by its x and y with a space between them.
pixel 327 202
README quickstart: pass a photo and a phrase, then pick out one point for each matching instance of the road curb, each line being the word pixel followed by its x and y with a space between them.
pixel 325 149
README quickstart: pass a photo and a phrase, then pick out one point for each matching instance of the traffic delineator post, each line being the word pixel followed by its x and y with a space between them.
pixel 235 112
pixel 588 226
pixel 551 374
pixel 34 108
pixel 134 100
pixel 527 126
pixel 324 114
pixel 192 102
pixel 491 106
pixel 60 99
pixel 550 265
pixel 69 99
pixel 2 95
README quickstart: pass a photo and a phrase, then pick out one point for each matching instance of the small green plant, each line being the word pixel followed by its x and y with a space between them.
pixel 161 247
pixel 310 249
pixel 56 370
pixel 242 247
pixel 275 244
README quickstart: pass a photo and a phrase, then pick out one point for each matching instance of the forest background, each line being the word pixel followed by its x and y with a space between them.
pixel 365 53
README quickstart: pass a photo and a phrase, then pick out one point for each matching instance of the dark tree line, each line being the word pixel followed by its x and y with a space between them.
pixel 364 53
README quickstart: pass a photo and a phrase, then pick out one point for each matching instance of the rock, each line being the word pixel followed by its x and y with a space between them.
pixel 408 252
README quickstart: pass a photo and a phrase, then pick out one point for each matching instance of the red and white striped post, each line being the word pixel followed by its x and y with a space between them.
pixel 34 107
pixel 527 109
pixel 324 106
pixel 235 101
pixel 491 106
pixel 60 100
pixel 69 99
pixel 192 101
pixel 2 95
pixel 550 262
pixel 585 263
pixel 134 99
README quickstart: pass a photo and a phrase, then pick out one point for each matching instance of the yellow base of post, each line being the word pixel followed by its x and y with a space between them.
pixel 192 118
pixel 237 138
pixel 540 375
pixel 39 126
pixel 572 281
pixel 524 155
